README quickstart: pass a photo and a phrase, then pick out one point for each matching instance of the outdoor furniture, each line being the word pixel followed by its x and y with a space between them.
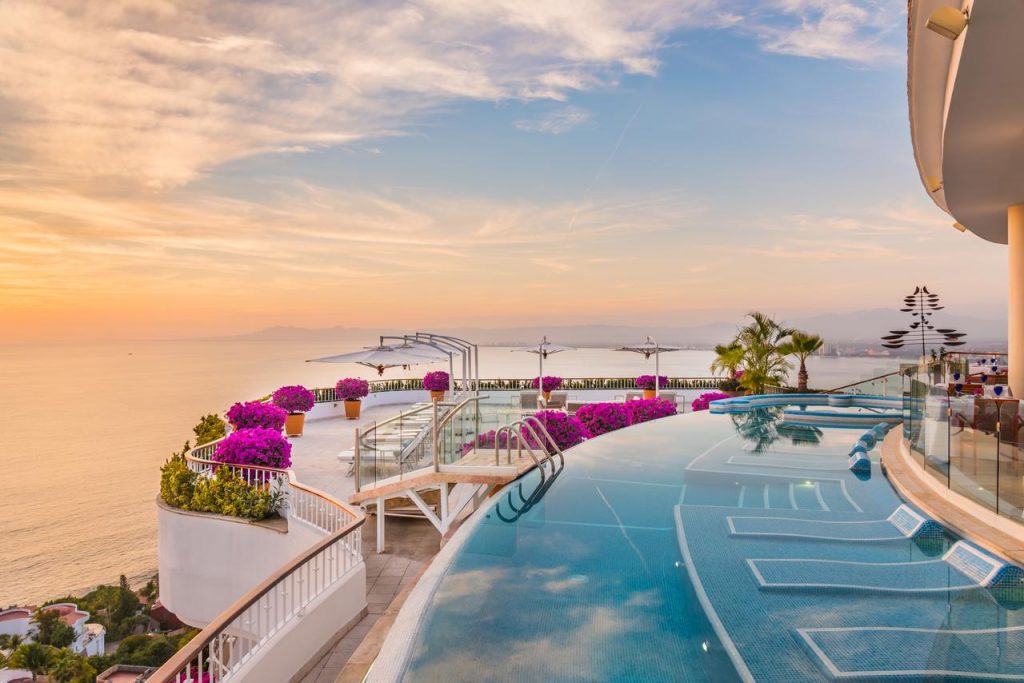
pixel 572 405
pixel 558 400
pixel 528 399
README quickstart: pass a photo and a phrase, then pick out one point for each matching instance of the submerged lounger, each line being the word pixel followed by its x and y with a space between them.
pixel 962 567
pixel 899 653
pixel 902 524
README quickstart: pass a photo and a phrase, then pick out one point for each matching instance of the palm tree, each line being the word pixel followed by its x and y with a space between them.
pixel 801 345
pixel 10 641
pixel 34 658
pixel 728 358
pixel 763 362
pixel 69 667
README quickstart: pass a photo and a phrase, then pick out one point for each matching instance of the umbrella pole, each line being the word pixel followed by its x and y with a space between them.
pixel 657 371
pixel 540 378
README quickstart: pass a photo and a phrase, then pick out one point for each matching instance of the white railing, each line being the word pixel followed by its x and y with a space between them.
pixel 240 632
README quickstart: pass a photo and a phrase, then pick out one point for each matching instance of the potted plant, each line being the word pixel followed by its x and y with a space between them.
pixel 256 414
pixel 297 400
pixel 436 383
pixel 352 391
pixel 647 383
pixel 547 384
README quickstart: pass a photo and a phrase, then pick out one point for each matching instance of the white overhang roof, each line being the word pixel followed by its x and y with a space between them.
pixel 967 111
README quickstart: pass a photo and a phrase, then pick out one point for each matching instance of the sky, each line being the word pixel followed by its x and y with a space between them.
pixel 182 169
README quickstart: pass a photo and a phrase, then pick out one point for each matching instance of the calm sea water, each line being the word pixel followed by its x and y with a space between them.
pixel 86 428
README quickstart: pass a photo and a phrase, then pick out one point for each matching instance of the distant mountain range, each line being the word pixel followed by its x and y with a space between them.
pixel 859 328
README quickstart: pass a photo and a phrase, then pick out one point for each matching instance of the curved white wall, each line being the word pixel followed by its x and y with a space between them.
pixel 207 561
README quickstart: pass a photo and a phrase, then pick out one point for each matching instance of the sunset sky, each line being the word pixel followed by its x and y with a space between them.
pixel 187 168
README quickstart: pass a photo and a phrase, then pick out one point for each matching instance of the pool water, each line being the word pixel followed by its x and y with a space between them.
pixel 626 566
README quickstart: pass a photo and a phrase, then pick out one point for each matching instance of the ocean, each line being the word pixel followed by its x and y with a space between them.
pixel 87 426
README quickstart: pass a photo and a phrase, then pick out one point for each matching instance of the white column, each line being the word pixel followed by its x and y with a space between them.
pixel 1015 312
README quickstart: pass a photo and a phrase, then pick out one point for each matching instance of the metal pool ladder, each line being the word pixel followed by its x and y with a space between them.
pixel 541 437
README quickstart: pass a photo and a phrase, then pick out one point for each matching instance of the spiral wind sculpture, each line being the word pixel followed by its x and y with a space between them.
pixel 921 305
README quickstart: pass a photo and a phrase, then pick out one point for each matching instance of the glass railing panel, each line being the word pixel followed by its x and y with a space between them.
pixel 935 435
pixel 395 446
pixel 1011 460
pixel 973 467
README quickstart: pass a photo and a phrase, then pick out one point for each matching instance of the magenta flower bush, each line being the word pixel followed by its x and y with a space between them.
pixel 647 382
pixel 647 409
pixel 703 402
pixel 601 418
pixel 351 389
pixel 487 440
pixel 255 446
pixel 550 382
pixel 436 381
pixel 257 414
pixel 294 399
pixel 565 431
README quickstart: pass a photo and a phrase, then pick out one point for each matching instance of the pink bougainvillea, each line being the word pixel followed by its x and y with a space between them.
pixel 351 389
pixel 294 399
pixel 255 446
pixel 550 382
pixel 644 410
pixel 703 402
pixel 436 381
pixel 647 382
pixel 564 430
pixel 257 414
pixel 601 418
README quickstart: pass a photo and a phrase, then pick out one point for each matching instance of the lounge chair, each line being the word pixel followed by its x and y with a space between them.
pixel 558 400
pixel 528 399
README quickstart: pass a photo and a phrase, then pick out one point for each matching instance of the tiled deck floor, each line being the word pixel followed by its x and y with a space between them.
pixel 410 545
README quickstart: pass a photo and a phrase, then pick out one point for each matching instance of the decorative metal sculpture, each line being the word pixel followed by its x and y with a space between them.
pixel 921 305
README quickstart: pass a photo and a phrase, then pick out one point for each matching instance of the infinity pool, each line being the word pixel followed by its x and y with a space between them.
pixel 706 548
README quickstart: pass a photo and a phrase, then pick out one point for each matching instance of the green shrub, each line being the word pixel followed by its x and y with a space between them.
pixel 177 482
pixel 210 428
pixel 225 493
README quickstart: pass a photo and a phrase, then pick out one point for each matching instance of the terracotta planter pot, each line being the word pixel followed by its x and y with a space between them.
pixel 294 423
pixel 734 393
pixel 437 395
pixel 547 396
pixel 650 393
pixel 352 409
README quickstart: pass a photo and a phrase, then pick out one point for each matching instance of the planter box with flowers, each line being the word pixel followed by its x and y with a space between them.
pixel 256 414
pixel 297 400
pixel 352 391
pixel 647 383
pixel 547 384
pixel 436 383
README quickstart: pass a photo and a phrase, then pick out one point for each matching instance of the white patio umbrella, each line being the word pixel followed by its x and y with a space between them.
pixel 543 350
pixel 652 348
pixel 383 357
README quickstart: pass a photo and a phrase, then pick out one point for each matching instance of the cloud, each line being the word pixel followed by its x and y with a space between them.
pixel 155 93
pixel 855 31
pixel 555 122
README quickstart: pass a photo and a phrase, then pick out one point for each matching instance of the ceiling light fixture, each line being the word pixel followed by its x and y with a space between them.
pixel 960 226
pixel 948 22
